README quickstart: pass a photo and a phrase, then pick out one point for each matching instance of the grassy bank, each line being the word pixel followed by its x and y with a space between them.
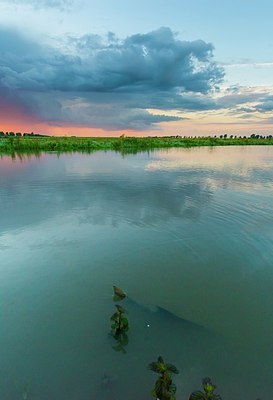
pixel 23 145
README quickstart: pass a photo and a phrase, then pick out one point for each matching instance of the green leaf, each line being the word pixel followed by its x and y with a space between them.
pixel 154 366
pixel 172 388
pixel 160 360
pixel 209 388
pixel 198 396
pixel 172 368
pixel 114 317
pixel 124 321
pixel 159 388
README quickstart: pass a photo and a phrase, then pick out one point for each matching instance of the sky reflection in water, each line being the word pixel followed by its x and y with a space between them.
pixel 189 231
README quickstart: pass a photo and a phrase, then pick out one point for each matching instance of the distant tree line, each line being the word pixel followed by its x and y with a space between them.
pixel 253 136
pixel 19 134
pixel 222 136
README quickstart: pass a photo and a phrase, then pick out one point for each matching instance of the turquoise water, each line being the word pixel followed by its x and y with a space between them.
pixel 188 234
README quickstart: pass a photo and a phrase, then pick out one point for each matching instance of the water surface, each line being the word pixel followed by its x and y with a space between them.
pixel 187 233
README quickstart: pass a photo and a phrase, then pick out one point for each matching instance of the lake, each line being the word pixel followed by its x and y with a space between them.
pixel 186 233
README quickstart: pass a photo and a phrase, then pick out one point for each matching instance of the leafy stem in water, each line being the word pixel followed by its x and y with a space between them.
pixel 164 388
pixel 208 392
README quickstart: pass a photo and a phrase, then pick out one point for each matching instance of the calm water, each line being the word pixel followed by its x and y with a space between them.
pixel 188 234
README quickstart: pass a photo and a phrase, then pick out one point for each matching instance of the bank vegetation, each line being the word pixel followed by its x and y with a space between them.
pixel 31 143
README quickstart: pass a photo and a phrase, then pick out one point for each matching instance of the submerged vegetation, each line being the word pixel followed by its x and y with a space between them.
pixel 164 388
pixel 119 321
pixel 38 144
pixel 208 392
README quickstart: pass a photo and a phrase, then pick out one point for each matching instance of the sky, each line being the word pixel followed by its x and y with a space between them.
pixel 154 67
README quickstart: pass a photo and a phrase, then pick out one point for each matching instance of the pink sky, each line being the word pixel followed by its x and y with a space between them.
pixel 14 118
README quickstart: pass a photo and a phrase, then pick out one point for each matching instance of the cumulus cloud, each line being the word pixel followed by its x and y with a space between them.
pixel 153 61
pixel 107 81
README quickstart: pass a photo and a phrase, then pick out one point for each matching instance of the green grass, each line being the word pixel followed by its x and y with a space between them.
pixel 37 145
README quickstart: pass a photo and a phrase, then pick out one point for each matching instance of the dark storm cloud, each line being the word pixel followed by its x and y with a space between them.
pixel 108 82
pixel 187 101
pixel 154 61
pixel 109 112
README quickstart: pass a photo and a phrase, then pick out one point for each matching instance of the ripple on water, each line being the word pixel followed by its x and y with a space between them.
pixel 192 235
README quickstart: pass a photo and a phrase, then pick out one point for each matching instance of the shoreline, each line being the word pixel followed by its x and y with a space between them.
pixel 34 145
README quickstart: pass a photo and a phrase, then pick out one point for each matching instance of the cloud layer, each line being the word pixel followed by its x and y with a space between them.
pixel 153 61
pixel 108 82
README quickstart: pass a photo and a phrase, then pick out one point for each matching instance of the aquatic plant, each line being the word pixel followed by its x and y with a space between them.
pixel 118 294
pixel 119 321
pixel 164 388
pixel 208 393
pixel 122 341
